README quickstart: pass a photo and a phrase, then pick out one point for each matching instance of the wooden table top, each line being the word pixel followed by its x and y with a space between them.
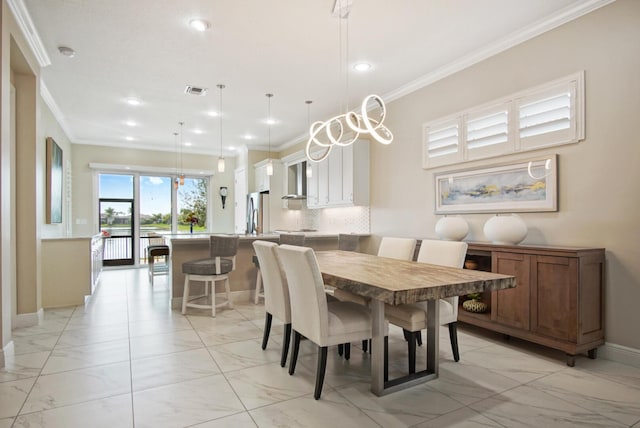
pixel 398 281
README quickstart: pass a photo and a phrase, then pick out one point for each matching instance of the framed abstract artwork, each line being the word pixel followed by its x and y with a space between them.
pixel 522 186
pixel 54 182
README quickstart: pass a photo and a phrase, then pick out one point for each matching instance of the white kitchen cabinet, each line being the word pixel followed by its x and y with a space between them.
pixel 342 179
pixel 262 181
pixel 313 196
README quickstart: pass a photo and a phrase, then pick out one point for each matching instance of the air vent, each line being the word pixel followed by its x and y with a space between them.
pixel 193 90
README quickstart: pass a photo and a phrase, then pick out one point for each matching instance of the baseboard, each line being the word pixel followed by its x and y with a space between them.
pixel 28 320
pixel 237 296
pixel 620 354
pixel 7 350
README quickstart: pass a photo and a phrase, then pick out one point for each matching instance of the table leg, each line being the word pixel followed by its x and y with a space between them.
pixel 377 347
pixel 433 332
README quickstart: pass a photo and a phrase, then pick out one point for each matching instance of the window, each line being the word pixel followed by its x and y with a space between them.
pixel 487 132
pixel 192 205
pixel 442 141
pixel 547 115
pixel 547 118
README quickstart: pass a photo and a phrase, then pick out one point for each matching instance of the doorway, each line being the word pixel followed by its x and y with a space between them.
pixel 117 226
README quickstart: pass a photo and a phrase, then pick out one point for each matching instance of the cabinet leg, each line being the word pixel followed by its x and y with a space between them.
pixel 571 360
pixel 592 353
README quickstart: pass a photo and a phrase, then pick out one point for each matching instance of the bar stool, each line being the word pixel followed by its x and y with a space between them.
pixel 221 261
pixel 157 248
pixel 285 238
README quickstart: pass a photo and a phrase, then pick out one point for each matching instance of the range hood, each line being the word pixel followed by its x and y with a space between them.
pixel 296 181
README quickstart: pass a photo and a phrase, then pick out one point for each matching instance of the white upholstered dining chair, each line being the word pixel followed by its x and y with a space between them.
pixel 285 238
pixel 276 294
pixel 412 317
pixel 324 323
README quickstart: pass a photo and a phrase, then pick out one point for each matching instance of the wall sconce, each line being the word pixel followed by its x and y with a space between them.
pixel 223 195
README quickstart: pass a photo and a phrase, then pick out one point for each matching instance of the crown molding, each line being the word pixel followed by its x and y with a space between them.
pixel 562 17
pixel 55 110
pixel 21 14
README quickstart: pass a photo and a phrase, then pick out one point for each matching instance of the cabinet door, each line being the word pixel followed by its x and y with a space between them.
pixel 335 176
pixel 312 186
pixel 511 307
pixel 323 183
pixel 261 179
pixel 554 296
pixel 347 173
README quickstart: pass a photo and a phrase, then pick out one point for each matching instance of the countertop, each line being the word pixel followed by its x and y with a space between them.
pixel 205 236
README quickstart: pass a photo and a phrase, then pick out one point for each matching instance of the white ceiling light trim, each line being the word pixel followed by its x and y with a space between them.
pixel 362 67
pixel 221 162
pixel 21 14
pixel 199 24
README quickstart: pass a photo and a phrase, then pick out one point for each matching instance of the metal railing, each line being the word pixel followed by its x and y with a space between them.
pixel 119 247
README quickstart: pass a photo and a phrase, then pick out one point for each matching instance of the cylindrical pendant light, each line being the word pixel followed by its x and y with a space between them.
pixel 269 122
pixel 221 163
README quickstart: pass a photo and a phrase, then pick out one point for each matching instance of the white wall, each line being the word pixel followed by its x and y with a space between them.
pixel 599 178
pixel 48 127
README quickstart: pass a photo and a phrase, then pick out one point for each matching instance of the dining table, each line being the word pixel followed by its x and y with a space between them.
pixel 396 282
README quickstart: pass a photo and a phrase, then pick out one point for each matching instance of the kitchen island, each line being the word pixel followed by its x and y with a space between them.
pixel 243 280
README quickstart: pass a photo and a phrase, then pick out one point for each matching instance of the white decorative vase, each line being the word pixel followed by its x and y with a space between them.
pixel 505 229
pixel 452 228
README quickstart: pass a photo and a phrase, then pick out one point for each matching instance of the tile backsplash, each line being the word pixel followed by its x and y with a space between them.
pixel 334 220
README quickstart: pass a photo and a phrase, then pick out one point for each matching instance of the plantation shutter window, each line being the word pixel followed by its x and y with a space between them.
pixel 442 141
pixel 487 132
pixel 548 118
pixel 548 115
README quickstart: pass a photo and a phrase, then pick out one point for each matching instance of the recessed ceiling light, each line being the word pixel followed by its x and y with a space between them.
pixel 197 131
pixel 128 138
pixel 188 144
pixel 130 123
pixel 231 148
pixel 270 121
pixel 66 51
pixel 133 101
pixel 248 137
pixel 212 113
pixel 199 24
pixel 362 66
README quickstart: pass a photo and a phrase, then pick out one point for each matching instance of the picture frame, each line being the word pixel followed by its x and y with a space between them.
pixel 521 186
pixel 54 182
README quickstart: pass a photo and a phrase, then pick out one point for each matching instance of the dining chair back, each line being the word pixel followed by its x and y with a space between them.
pixel 276 294
pixel 284 238
pixel 397 248
pixel 348 242
pixel 325 324
pixel 412 317
pixel 292 239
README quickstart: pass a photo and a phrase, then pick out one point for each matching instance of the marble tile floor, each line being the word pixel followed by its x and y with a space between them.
pixel 127 360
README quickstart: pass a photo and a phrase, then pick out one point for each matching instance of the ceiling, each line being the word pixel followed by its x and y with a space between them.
pixel 145 49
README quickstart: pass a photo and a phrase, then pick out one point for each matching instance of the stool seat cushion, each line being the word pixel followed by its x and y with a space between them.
pixel 158 250
pixel 207 267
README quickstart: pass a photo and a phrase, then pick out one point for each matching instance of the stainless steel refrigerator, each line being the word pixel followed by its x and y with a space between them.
pixel 257 213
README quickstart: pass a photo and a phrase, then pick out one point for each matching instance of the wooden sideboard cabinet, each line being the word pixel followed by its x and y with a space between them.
pixel 558 300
